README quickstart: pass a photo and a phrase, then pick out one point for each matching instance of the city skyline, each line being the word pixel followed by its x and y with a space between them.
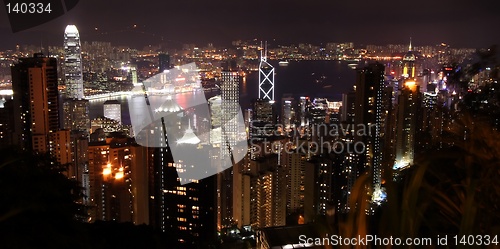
pixel 457 23
pixel 256 144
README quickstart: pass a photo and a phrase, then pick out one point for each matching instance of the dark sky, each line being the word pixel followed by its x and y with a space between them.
pixel 459 23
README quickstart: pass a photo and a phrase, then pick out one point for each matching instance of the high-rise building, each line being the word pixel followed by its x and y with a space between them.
pixel 321 188
pixel 368 114
pixel 304 102
pixel 406 124
pixel 388 127
pixel 73 63
pixel 262 125
pixel 347 109
pixel 76 115
pixel 266 192
pixel 186 210
pixel 36 107
pixel 140 184
pixel 318 111
pixel 266 77
pixel 163 62
pixel 78 169
pixel 230 106
pixel 233 148
pixel 263 110
pixel 6 123
pixel 346 175
pixel 175 200
pixel 112 110
pixel 409 63
pixel 295 166
pixel 110 186
pixel 230 95
pixel 429 102
pixel 288 112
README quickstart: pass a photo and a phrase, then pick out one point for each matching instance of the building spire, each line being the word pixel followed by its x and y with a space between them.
pixel 410 48
pixel 265 51
pixel 261 48
pixel 263 56
pixel 266 76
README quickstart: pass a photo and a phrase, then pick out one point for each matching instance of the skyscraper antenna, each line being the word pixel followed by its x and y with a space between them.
pixel 265 51
pixel 261 48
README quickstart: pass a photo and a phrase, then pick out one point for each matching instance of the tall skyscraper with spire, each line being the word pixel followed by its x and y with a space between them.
pixel 266 77
pixel 409 63
pixel 263 107
pixel 409 101
pixel 75 107
pixel 75 116
pixel 73 63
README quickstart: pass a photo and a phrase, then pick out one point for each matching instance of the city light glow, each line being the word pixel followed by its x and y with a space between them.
pixel 119 175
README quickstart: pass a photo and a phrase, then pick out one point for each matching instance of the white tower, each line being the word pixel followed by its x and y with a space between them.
pixel 73 63
pixel 230 105
pixel 266 77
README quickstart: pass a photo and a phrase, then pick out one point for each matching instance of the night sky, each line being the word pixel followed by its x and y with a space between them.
pixel 459 23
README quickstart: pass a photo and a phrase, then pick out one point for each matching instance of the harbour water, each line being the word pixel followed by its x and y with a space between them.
pixel 320 79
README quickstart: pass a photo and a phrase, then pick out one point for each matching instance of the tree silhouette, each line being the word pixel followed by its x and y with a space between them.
pixel 37 202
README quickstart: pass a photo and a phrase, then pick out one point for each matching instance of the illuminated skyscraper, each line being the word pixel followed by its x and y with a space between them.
pixel 304 102
pixel 263 110
pixel 36 107
pixel 263 120
pixel 266 77
pixel 230 106
pixel 409 63
pixel 76 115
pixel 408 108
pixel 266 194
pixel 288 109
pixel 110 186
pixel 368 113
pixel 73 63
pixel 295 166
pixel 230 95
pixel 233 149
